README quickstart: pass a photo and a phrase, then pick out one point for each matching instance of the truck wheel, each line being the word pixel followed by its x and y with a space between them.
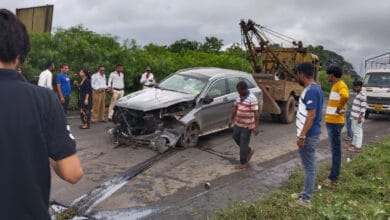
pixel 275 117
pixel 191 136
pixel 288 110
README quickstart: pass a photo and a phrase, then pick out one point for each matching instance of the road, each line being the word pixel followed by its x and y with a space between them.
pixel 173 188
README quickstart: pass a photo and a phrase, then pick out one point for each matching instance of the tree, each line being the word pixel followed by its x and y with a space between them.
pixel 236 50
pixel 183 45
pixel 212 45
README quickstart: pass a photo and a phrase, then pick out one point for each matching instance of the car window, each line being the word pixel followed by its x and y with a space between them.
pixel 249 83
pixel 183 83
pixel 232 82
pixel 217 89
pixel 377 79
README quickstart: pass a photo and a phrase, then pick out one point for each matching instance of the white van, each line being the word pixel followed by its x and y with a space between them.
pixel 377 87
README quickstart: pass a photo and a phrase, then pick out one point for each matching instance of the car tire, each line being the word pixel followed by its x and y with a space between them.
pixel 190 137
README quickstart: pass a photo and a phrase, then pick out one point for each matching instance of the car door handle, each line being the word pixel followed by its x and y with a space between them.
pixel 225 99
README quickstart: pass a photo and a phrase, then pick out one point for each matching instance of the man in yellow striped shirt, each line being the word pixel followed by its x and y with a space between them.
pixel 335 119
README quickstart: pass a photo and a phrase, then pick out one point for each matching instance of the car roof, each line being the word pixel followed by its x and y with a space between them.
pixel 211 72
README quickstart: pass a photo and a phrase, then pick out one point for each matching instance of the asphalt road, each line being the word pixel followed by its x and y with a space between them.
pixel 173 188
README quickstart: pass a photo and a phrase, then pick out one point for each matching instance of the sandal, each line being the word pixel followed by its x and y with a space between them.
pixel 353 149
pixel 329 182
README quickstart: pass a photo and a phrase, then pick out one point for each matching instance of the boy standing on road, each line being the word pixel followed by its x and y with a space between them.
pixel 335 119
pixel 245 116
pixel 357 116
pixel 308 123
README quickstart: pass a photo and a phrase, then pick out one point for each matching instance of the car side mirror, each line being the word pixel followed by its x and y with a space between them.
pixel 208 100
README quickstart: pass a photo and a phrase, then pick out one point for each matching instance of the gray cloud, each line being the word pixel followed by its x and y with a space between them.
pixel 355 29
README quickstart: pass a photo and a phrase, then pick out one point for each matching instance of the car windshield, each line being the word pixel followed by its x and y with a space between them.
pixel 184 83
pixel 377 79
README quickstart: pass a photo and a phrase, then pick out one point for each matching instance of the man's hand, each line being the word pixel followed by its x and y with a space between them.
pixel 360 120
pixel 62 99
pixel 86 102
pixel 255 131
pixel 230 123
pixel 340 111
pixel 300 142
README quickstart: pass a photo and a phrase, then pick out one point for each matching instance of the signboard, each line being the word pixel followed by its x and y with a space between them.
pixel 36 19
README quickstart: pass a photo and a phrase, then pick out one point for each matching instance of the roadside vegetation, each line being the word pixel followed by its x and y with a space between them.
pixel 363 192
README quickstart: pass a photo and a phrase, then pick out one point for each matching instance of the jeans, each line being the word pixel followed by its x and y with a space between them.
pixel 357 129
pixel 66 104
pixel 242 137
pixel 348 123
pixel 309 163
pixel 334 134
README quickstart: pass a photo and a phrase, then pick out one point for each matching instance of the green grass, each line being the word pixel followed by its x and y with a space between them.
pixel 363 192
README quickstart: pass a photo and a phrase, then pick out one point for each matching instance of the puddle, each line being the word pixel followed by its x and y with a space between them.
pixel 125 214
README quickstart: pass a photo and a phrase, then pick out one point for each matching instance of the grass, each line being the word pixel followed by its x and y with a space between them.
pixel 363 192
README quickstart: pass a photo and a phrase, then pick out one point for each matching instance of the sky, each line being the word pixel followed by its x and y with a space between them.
pixel 357 30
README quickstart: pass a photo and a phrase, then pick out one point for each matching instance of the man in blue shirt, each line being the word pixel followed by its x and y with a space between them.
pixel 308 124
pixel 63 86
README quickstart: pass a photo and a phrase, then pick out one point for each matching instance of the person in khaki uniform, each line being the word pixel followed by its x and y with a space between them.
pixel 99 86
pixel 116 86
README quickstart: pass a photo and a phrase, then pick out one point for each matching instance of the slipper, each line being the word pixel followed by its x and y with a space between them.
pixel 353 149
pixel 329 182
pixel 347 139
pixel 250 155
pixel 300 204
pixel 241 166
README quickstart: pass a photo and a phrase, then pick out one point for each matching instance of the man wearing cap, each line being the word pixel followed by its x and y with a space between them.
pixel 147 79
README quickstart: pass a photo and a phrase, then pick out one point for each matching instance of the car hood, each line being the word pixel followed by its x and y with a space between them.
pixel 153 98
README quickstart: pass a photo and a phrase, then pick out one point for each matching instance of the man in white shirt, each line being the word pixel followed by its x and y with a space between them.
pixel 99 86
pixel 147 79
pixel 45 78
pixel 116 86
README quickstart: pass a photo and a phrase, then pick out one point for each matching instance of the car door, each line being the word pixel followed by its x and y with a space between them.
pixel 215 115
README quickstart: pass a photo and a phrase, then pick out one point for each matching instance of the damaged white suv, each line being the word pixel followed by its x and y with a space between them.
pixel 184 106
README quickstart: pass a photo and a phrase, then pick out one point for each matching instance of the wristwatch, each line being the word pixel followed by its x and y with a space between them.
pixel 302 137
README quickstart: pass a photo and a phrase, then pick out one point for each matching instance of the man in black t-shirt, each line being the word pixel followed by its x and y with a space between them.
pixel 33 131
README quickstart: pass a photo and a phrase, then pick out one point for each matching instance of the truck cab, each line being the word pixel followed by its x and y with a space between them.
pixel 377 87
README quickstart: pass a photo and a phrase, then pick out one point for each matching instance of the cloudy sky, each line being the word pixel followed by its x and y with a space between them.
pixel 355 29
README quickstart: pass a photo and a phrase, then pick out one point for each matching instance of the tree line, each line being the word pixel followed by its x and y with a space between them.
pixel 80 47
